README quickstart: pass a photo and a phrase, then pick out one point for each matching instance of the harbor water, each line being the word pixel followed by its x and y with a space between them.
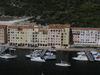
pixel 23 66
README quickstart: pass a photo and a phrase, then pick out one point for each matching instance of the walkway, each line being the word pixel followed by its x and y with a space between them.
pixel 3 50
pixel 43 52
pixel 89 55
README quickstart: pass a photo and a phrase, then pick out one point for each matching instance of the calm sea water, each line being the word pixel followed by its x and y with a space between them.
pixel 23 66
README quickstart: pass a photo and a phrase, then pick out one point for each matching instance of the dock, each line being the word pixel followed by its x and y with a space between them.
pixel 3 50
pixel 43 52
pixel 89 55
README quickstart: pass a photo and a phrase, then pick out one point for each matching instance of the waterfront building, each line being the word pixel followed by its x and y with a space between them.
pixel 3 34
pixel 58 35
pixel 98 36
pixel 86 36
pixel 43 38
pixel 22 36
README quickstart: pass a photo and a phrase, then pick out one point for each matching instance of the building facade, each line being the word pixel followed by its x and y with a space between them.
pixel 22 36
pixel 58 35
pixel 88 36
pixel 55 36
pixel 3 34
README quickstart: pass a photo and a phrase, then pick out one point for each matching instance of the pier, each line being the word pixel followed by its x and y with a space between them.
pixel 89 55
pixel 43 52
pixel 3 50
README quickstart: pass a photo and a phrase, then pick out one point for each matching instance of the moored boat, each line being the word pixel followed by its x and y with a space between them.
pixel 63 64
pixel 7 56
pixel 49 57
pixel 37 59
pixel 12 49
pixel 81 57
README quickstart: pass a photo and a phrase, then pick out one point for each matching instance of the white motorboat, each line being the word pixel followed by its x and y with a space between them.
pixel 49 57
pixel 37 59
pixel 7 56
pixel 30 55
pixel 81 57
pixel 63 64
pixel 53 50
pixel 33 53
pixel 80 52
pixel 12 48
pixel 96 55
pixel 49 53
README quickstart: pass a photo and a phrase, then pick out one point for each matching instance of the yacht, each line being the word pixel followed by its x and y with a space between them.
pixel 37 59
pixel 32 54
pixel 49 53
pixel 7 56
pixel 49 57
pixel 12 48
pixel 80 52
pixel 81 57
pixel 53 50
pixel 96 55
pixel 63 64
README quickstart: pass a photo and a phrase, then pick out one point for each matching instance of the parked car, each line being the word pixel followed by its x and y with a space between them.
pixel 53 47
pixel 35 46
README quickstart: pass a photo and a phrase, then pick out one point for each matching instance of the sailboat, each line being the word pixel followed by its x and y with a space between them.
pixel 62 63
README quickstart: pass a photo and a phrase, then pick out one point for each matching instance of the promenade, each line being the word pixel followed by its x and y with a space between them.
pixel 42 48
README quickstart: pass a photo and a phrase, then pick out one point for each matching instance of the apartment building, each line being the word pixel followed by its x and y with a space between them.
pixel 22 36
pixel 3 34
pixel 58 35
pixel 98 36
pixel 89 36
pixel 43 38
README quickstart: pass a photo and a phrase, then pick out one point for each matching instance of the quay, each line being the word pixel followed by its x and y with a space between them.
pixel 42 48
pixel 58 49
pixel 89 55
pixel 43 52
pixel 3 50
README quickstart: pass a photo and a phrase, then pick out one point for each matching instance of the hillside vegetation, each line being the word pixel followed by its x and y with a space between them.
pixel 78 13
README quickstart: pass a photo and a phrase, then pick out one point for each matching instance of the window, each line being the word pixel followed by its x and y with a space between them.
pixel 65 33
pixel 12 32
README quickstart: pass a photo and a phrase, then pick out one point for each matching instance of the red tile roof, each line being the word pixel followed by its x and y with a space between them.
pixel 20 28
pixel 44 31
pixel 28 27
pixel 2 26
pixel 13 27
pixel 74 28
pixel 57 26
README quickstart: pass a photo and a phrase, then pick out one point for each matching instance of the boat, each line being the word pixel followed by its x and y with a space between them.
pixel 93 52
pixel 80 52
pixel 7 56
pixel 49 57
pixel 37 59
pixel 63 64
pixel 30 55
pixel 34 53
pixel 81 57
pixel 53 50
pixel 42 73
pixel 96 55
pixel 12 49
pixel 49 53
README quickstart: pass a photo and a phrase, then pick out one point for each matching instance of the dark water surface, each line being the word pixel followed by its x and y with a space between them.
pixel 23 66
